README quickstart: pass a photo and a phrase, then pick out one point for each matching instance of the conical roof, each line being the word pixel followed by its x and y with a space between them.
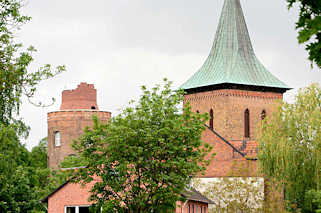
pixel 232 59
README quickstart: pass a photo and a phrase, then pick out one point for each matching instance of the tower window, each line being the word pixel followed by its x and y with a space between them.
pixel 247 123
pixel 57 138
pixel 263 115
pixel 211 119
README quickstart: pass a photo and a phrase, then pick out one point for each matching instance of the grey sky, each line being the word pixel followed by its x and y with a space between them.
pixel 119 45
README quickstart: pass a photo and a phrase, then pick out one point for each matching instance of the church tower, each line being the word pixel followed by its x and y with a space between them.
pixel 235 89
pixel 76 111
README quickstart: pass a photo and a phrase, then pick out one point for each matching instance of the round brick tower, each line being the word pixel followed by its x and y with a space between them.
pixel 76 111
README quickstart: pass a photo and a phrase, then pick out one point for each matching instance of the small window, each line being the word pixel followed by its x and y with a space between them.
pixel 247 123
pixel 57 139
pixel 71 210
pixel 211 119
pixel 93 107
pixel 77 209
pixel 198 112
pixel 263 115
pixel 83 209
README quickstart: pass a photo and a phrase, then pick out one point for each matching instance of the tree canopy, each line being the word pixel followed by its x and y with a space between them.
pixel 145 156
pixel 290 146
pixel 21 177
pixel 15 77
pixel 309 26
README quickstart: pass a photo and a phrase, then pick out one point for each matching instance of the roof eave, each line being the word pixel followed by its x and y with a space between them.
pixel 228 85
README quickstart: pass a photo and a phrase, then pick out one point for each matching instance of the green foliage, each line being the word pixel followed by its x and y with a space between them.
pixel 313 201
pixel 290 145
pixel 15 79
pixel 73 161
pixel 18 179
pixel 23 175
pixel 309 26
pixel 38 154
pixel 233 195
pixel 145 156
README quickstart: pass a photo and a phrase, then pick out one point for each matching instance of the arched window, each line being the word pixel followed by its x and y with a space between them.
pixel 247 123
pixel 57 138
pixel 211 119
pixel 263 115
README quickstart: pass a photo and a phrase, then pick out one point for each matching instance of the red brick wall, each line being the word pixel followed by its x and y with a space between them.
pixel 83 97
pixel 229 106
pixel 73 194
pixel 71 125
pixel 70 195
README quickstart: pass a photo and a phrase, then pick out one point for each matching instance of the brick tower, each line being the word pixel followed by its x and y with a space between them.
pixel 76 111
pixel 235 89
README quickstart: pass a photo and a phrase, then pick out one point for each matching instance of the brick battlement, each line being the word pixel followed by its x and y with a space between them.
pixel 83 97
pixel 76 112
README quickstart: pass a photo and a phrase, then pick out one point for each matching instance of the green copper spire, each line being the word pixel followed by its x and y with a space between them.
pixel 232 59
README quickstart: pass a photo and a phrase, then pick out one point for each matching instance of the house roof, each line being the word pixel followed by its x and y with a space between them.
pixel 191 194
pixel 232 59
pixel 45 200
pixel 194 195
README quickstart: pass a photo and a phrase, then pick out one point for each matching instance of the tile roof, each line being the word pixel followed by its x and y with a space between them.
pixel 194 195
pixel 232 59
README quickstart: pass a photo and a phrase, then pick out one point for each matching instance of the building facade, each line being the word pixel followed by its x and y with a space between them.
pixel 232 86
pixel 78 106
pixel 236 90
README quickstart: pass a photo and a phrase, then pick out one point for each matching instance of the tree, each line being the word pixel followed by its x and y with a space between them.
pixel 18 180
pixel 145 156
pixel 15 78
pixel 309 26
pixel 242 191
pixel 234 194
pixel 290 146
pixel 313 201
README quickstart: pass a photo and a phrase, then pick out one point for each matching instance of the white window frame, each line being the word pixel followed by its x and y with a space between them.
pixel 77 208
pixel 57 142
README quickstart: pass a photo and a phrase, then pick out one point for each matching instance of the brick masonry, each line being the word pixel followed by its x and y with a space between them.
pixel 75 194
pixel 83 97
pixel 228 107
pixel 71 194
pixel 71 125
pixel 74 116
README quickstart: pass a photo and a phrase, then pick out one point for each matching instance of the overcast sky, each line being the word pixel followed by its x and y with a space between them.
pixel 120 45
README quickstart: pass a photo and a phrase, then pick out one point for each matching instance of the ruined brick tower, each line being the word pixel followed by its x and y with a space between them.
pixel 76 111
pixel 235 89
